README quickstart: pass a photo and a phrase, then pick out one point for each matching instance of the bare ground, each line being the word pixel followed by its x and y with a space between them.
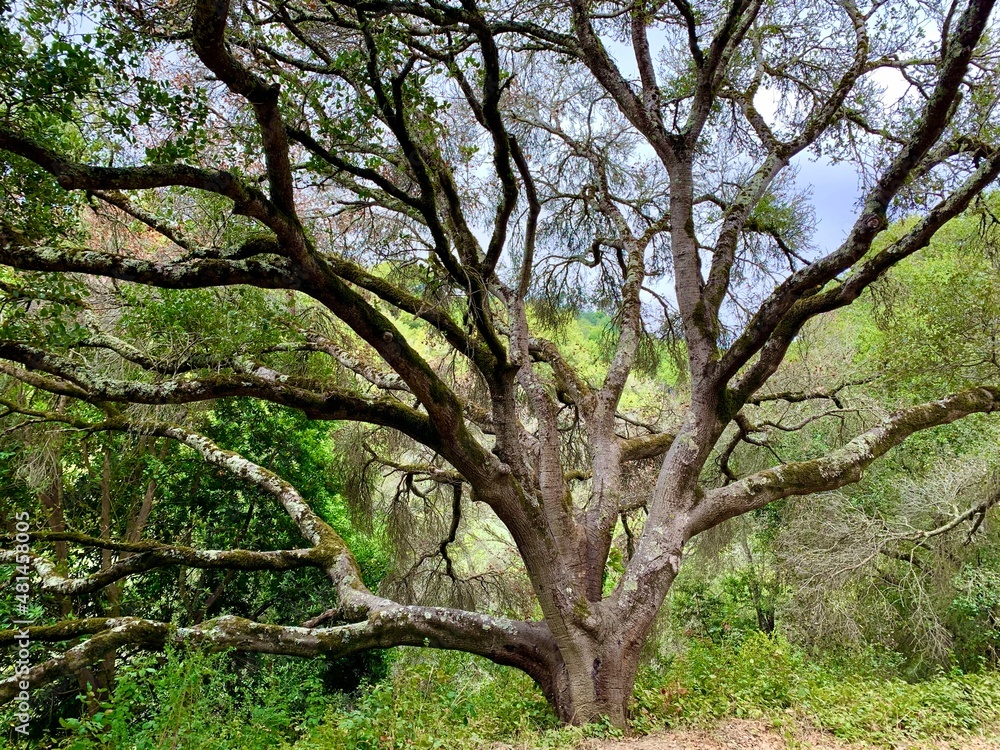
pixel 755 735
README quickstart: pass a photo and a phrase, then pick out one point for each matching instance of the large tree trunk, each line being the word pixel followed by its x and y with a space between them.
pixel 596 657
pixel 595 681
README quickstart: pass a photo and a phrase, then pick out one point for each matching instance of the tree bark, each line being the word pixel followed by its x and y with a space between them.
pixel 595 682
pixel 595 676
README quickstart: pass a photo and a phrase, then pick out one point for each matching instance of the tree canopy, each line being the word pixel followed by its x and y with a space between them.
pixel 379 214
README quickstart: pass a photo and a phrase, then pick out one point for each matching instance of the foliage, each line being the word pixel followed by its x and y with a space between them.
pixel 858 697
pixel 932 324
pixel 851 566
pixel 194 506
pixel 202 702
pixel 281 218
pixel 448 700
pixel 438 700
pixel 717 607
pixel 430 700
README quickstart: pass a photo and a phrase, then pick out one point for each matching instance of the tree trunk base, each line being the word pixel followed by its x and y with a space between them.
pixel 595 690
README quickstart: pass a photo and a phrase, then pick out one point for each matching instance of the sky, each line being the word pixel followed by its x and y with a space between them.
pixel 834 196
pixel 834 188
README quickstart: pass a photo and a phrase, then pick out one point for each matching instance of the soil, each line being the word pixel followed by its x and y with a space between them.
pixel 756 735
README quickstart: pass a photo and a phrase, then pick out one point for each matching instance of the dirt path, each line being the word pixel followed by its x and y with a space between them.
pixel 755 735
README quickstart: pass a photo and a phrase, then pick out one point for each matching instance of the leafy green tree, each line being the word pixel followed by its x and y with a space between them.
pixel 428 188
pixel 904 558
pixel 93 488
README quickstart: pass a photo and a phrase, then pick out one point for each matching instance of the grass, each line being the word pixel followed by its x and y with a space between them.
pixel 457 701
pixel 446 700
pixel 858 699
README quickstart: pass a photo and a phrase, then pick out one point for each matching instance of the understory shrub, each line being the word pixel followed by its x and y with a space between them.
pixel 430 699
pixel 445 700
pixel 857 698
pixel 203 702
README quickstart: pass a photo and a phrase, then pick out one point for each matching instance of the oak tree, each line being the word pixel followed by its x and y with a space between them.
pixel 424 188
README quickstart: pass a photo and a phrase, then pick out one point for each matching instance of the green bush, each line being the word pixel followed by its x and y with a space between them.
pixel 887 711
pixel 856 698
pixel 434 699
pixel 203 702
pixel 711 680
pixel 445 700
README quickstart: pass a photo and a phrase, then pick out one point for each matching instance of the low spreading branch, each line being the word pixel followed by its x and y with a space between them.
pixel 158 556
pixel 509 642
pixel 843 466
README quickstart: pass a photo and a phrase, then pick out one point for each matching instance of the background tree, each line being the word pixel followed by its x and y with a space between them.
pixel 433 186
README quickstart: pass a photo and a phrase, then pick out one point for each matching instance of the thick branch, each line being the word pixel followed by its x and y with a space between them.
pixel 273 273
pixel 161 555
pixel 74 176
pixel 928 129
pixel 840 467
pixel 208 26
pixel 316 399
pixel 521 644
pixel 646 446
